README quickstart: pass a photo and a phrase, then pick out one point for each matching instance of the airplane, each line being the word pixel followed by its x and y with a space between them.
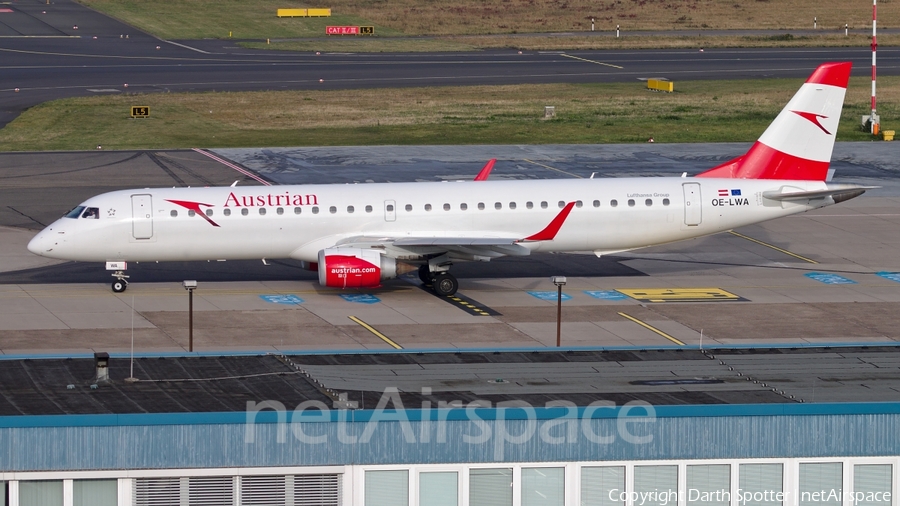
pixel 359 235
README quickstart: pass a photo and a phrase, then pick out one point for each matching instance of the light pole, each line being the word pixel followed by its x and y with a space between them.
pixel 190 285
pixel 559 281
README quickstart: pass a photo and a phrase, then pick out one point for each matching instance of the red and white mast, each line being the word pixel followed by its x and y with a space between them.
pixel 874 118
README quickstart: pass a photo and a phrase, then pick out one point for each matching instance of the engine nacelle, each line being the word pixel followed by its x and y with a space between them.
pixel 354 268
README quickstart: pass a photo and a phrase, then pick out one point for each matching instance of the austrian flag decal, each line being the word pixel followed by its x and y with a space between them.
pixel 726 193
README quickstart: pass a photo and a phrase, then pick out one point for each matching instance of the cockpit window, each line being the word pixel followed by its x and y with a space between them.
pixel 91 213
pixel 74 213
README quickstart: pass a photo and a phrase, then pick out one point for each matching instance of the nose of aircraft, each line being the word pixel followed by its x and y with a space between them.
pixel 42 243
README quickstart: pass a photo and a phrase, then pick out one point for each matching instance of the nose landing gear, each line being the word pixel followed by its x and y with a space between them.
pixel 121 282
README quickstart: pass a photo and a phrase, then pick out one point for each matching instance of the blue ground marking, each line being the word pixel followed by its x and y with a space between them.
pixel 893 276
pixel 289 300
pixel 606 294
pixel 361 298
pixel 549 295
pixel 829 279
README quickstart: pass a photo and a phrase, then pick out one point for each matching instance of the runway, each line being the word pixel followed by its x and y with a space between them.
pixel 45 58
pixel 818 278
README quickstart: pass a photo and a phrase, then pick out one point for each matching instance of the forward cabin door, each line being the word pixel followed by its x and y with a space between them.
pixel 142 217
pixel 692 204
pixel 390 210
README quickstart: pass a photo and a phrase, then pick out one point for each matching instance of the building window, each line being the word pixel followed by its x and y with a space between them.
pixel 820 484
pixel 41 493
pixel 490 487
pixel 543 486
pixel 600 484
pixel 710 485
pixel 874 482
pixel 439 489
pixel 761 481
pixel 387 488
pixel 95 492
pixel 658 483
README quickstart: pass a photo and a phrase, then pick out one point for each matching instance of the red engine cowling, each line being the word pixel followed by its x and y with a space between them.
pixel 354 268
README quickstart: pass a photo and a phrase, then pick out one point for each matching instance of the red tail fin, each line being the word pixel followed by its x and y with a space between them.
pixel 798 144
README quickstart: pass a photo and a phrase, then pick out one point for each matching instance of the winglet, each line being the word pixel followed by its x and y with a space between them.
pixel 486 170
pixel 552 229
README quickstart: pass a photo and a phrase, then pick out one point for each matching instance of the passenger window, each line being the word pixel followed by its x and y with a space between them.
pixel 226 212
pixel 596 203
pixel 315 209
pixel 173 213
pixel 191 213
pixel 209 212
pixel 446 207
pixel 91 213
pixel 428 207
pixel 613 203
pixel 498 205
pixel 630 202
pixel 298 210
pixel 544 205
pixel 280 211
pixel 512 205
pixel 648 202
pixel 262 211
pixel 368 209
pixel 350 209
pixel 389 208
pixel 463 206
pixel 332 209
pixel 665 202
pixel 562 204
pixel 529 205
pixel 578 203
pixel 409 207
pixel 245 211
pixel 481 206
pixel 74 213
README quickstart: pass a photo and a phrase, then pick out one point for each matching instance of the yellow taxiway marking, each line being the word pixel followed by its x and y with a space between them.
pixel 592 61
pixel 553 168
pixel 652 328
pixel 378 334
pixel 679 294
pixel 776 248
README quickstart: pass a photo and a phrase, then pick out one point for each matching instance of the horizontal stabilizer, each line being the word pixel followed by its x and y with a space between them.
pixel 839 193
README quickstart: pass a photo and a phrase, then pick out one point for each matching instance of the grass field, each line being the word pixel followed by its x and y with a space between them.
pixel 701 111
pixel 255 19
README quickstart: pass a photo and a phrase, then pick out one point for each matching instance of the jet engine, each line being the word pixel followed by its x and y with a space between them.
pixel 357 268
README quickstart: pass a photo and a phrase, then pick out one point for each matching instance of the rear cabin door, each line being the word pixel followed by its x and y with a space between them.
pixel 390 210
pixel 142 217
pixel 692 204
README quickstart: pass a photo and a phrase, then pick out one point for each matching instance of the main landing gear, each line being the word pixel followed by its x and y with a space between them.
pixel 442 283
pixel 121 282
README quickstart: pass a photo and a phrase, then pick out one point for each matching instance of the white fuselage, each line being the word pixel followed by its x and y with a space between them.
pixel 300 220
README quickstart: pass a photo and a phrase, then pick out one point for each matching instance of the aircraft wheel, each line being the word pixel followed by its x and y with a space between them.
pixel 445 284
pixel 119 286
pixel 425 275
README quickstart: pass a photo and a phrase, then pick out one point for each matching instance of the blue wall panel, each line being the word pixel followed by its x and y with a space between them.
pixel 223 445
